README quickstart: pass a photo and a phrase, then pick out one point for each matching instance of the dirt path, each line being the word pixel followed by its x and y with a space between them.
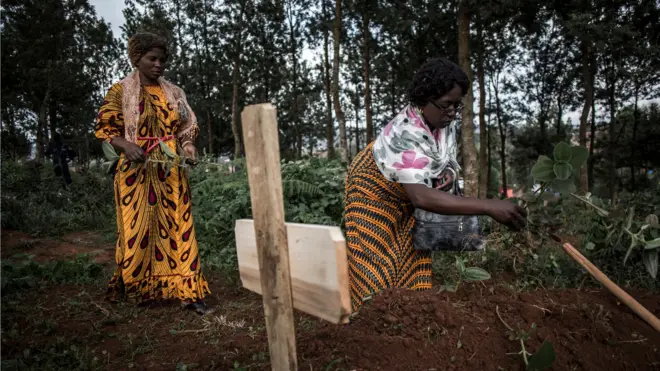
pixel 64 327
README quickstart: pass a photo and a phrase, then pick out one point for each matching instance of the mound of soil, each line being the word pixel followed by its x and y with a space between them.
pixel 71 326
pixel 403 330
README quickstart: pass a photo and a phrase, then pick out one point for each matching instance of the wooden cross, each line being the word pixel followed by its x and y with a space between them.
pixel 291 265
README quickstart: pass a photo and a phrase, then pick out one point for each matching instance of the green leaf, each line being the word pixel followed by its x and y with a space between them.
pixel 633 243
pixel 460 265
pixel 631 214
pixel 547 196
pixel 650 259
pixel 109 164
pixel 166 150
pixel 543 358
pixel 562 152
pixel 564 186
pixel 590 246
pixel 579 156
pixel 529 197
pixel 543 170
pixel 109 151
pixel 652 220
pixel 475 274
pixel 563 170
pixel 653 244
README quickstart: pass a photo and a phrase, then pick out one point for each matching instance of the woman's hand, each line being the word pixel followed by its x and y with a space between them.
pixel 507 213
pixel 190 151
pixel 132 151
pixel 435 201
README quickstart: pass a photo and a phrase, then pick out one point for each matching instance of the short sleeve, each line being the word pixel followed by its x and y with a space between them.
pixel 110 119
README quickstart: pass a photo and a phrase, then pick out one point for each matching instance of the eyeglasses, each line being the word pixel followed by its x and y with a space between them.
pixel 449 106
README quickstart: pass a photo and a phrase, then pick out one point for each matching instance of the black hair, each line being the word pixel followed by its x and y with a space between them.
pixel 142 43
pixel 434 79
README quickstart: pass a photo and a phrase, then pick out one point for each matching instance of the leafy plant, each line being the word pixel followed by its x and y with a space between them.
pixel 35 201
pixel 542 358
pixel 621 226
pixel 466 274
pixel 30 274
pixel 313 191
pixel 172 159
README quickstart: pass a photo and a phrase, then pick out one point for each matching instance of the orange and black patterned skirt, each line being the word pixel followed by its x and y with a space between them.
pixel 379 221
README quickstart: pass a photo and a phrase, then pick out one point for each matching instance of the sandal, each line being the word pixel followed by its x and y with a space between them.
pixel 198 307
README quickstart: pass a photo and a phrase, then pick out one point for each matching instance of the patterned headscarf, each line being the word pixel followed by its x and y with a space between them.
pixel 407 151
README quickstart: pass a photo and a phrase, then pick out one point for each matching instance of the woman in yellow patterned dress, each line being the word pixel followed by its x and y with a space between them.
pixel 157 253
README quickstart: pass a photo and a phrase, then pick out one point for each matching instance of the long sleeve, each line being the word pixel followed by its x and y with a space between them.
pixel 188 130
pixel 110 119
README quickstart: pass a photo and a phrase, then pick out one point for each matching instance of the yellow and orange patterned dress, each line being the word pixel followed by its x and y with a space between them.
pixel 157 254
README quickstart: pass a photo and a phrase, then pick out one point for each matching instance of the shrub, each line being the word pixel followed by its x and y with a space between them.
pixel 35 201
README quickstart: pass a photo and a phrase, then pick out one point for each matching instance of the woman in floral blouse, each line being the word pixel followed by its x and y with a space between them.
pixel 403 169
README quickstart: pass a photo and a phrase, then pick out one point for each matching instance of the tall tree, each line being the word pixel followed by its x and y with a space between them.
pixel 483 131
pixel 366 47
pixel 339 113
pixel 470 168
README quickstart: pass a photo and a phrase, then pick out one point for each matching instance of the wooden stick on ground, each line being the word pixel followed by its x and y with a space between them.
pixel 262 152
pixel 628 300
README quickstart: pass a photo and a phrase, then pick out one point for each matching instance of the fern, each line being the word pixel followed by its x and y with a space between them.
pixel 299 188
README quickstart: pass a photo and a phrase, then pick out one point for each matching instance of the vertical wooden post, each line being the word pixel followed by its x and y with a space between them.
pixel 262 152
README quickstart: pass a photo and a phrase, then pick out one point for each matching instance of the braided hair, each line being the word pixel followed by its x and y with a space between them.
pixel 434 79
pixel 143 42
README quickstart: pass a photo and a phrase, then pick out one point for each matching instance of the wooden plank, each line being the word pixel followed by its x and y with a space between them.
pixel 262 152
pixel 318 266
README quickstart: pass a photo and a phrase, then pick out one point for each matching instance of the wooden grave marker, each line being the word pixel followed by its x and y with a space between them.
pixel 262 153
pixel 290 265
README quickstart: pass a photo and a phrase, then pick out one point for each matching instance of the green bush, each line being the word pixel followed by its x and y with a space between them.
pixel 313 193
pixel 35 201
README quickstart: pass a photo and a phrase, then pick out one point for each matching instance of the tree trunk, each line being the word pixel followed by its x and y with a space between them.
pixel 182 52
pixel 205 86
pixel 470 168
pixel 294 104
pixel 209 127
pixel 235 130
pixel 588 96
pixel 489 174
pixel 560 111
pixel 357 127
pixel 330 129
pixel 612 137
pixel 366 36
pixel 42 127
pixel 483 134
pixel 52 116
pixel 500 126
pixel 235 82
pixel 633 151
pixel 592 140
pixel 335 83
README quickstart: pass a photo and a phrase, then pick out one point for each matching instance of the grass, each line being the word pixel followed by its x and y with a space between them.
pixel 29 274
